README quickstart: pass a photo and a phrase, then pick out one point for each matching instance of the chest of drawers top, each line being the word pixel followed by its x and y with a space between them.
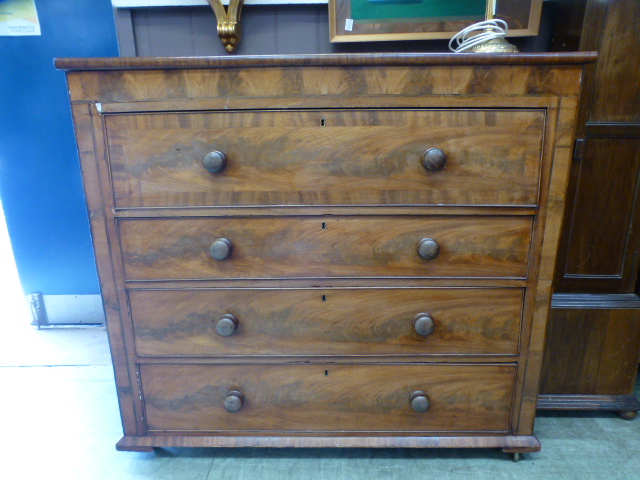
pixel 327 130
pixel 365 237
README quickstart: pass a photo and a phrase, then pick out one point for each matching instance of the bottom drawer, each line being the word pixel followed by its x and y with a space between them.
pixel 328 397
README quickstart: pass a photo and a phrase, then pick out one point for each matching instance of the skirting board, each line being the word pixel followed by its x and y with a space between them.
pixel 49 310
pixel 615 403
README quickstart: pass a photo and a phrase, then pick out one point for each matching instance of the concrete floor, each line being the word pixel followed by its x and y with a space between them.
pixel 60 420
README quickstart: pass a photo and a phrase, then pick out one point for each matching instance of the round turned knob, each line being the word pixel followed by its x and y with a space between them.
pixel 419 401
pixel 227 325
pixel 423 324
pixel 434 159
pixel 428 248
pixel 221 249
pixel 214 162
pixel 233 401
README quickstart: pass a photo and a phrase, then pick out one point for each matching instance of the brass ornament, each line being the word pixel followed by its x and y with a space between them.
pixel 229 29
pixel 484 37
pixel 496 45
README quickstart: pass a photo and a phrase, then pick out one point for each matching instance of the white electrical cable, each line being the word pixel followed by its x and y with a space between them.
pixel 489 30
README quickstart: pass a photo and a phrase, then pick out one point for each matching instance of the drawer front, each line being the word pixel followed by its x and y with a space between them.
pixel 413 321
pixel 299 247
pixel 328 398
pixel 317 157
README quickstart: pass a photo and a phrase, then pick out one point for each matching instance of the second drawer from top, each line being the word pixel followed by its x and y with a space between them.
pixel 325 247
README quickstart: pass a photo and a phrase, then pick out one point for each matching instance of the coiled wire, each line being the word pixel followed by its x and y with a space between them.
pixel 489 30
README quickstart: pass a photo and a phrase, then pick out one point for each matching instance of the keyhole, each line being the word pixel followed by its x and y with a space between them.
pixel 324 298
pixel 326 373
pixel 323 122
pixel 324 225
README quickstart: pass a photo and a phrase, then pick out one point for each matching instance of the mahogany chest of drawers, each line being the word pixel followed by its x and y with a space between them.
pixel 326 250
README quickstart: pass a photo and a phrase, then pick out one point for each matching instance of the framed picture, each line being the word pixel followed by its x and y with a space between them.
pixel 380 20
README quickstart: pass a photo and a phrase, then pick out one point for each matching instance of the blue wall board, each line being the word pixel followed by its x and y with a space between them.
pixel 40 180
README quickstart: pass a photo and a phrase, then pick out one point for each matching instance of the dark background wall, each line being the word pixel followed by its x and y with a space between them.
pixel 267 29
pixel 40 183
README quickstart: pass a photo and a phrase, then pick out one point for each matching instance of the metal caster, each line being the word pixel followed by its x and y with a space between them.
pixel 515 457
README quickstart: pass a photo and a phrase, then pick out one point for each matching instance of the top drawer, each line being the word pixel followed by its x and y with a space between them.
pixel 326 157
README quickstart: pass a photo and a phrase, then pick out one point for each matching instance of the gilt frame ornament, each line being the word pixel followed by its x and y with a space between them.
pixel 229 29
pixel 385 20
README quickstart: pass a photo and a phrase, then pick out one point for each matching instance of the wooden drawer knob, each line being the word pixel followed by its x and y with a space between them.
pixel 214 162
pixel 434 159
pixel 221 249
pixel 419 401
pixel 233 401
pixel 423 324
pixel 428 248
pixel 227 325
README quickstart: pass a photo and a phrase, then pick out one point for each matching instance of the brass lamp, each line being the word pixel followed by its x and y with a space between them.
pixel 494 45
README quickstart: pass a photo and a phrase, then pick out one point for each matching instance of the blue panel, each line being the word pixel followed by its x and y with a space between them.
pixel 40 182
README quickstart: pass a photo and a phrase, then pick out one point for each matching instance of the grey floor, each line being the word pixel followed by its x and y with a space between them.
pixel 59 419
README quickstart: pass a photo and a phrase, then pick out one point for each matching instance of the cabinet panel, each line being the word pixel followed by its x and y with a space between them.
pixel 616 92
pixel 600 230
pixel 591 351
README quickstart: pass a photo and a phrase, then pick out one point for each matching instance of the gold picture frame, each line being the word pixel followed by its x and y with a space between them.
pixel 387 20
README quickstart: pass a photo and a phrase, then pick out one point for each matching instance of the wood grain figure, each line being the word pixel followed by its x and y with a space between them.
pixel 467 321
pixel 157 160
pixel 297 247
pixel 328 397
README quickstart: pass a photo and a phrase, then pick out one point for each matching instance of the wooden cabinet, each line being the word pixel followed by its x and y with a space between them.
pixel 593 343
pixel 329 250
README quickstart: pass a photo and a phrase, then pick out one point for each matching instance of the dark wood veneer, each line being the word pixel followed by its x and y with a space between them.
pixel 307 247
pixel 157 159
pixel 372 321
pixel 328 398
